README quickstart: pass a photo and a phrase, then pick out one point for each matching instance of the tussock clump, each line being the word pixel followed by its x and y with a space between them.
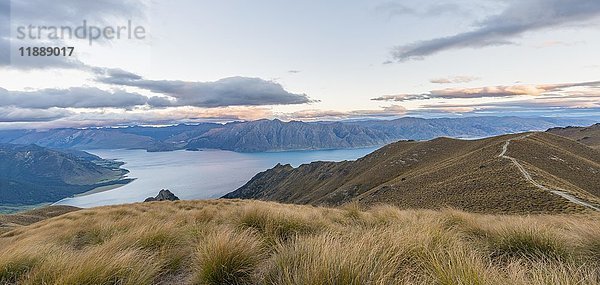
pixel 331 259
pixel 279 224
pixel 228 257
pixel 252 242
pixel 530 242
pixel 15 263
pixel 97 266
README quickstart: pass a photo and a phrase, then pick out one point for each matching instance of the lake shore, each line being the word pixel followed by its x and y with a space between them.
pixel 99 189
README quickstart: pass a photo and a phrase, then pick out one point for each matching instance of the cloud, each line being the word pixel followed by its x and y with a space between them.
pixel 393 9
pixel 402 97
pixel 232 91
pixel 519 17
pixel 76 97
pixel 489 91
pixel 315 114
pixel 12 114
pixel 590 103
pixel 454 79
pixel 13 118
pixel 59 13
pixel 75 11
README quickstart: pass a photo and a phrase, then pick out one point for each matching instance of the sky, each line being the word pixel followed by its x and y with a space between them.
pixel 309 60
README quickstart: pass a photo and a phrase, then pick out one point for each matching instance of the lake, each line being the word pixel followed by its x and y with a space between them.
pixel 196 174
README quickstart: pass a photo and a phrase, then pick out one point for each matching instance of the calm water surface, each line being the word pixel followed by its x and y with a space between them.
pixel 196 175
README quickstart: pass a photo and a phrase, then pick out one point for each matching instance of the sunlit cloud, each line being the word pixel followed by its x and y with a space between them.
pixel 489 91
pixel 316 114
pixel 454 79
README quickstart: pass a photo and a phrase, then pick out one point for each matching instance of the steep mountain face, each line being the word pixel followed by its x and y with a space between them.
pixel 537 173
pixel 84 139
pixel 471 127
pixel 275 135
pixel 266 135
pixel 136 137
pixel 589 136
pixel 30 174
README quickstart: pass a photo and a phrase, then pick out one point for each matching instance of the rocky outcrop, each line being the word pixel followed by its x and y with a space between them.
pixel 163 195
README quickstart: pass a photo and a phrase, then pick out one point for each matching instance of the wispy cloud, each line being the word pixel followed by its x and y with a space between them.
pixel 17 118
pixel 518 17
pixel 488 91
pixel 315 114
pixel 454 79
pixel 392 9
pixel 541 105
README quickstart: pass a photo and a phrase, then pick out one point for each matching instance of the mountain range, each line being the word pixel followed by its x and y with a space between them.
pixel 535 172
pixel 275 135
pixel 30 174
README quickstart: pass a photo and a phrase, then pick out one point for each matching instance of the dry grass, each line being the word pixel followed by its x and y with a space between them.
pixel 251 242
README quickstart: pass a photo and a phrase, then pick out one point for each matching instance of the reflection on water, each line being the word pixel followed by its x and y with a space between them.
pixel 196 175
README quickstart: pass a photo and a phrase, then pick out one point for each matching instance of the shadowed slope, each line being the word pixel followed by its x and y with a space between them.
pixel 442 172
pixel 586 135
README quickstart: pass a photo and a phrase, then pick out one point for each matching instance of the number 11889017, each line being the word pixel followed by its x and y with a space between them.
pixel 46 51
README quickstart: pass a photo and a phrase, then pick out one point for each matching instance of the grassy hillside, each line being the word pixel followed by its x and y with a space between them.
pixel 251 242
pixel 470 175
pixel 586 135
pixel 12 221
pixel 30 174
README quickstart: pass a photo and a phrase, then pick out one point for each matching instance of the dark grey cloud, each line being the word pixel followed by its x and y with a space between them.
pixel 15 13
pixel 519 17
pixel 489 91
pixel 4 32
pixel 4 51
pixel 75 11
pixel 12 115
pixel 232 91
pixel 77 97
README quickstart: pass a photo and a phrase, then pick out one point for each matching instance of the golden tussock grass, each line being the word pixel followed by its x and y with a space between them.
pixel 251 242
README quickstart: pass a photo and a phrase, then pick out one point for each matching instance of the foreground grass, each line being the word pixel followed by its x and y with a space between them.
pixel 250 242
